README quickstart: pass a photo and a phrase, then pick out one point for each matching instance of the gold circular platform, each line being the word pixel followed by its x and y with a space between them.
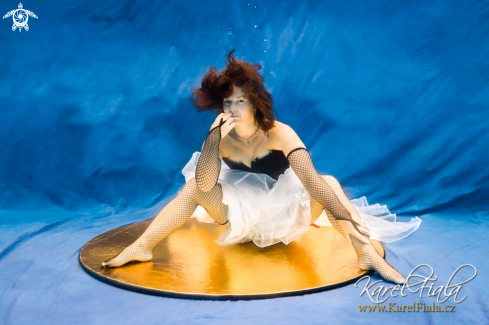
pixel 189 264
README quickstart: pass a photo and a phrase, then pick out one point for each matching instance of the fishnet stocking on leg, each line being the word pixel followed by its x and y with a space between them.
pixel 368 258
pixel 171 217
pixel 316 210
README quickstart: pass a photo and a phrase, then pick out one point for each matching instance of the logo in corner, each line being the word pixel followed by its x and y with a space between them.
pixel 20 17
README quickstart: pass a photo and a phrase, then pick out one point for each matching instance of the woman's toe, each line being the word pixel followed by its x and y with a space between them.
pixel 109 262
pixel 106 263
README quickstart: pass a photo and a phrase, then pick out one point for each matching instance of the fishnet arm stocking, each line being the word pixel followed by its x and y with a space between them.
pixel 317 208
pixel 171 217
pixel 318 188
pixel 209 164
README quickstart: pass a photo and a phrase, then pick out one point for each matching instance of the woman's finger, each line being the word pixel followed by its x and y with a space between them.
pixel 350 230
pixel 364 225
pixel 360 226
pixel 362 238
pixel 356 233
pixel 364 231
pixel 359 220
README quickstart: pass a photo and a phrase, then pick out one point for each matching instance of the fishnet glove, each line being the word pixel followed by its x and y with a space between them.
pixel 318 188
pixel 209 164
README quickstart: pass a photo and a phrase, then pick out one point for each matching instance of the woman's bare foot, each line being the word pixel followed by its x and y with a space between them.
pixel 369 259
pixel 133 252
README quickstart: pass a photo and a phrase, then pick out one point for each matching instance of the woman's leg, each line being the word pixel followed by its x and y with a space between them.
pixel 171 217
pixel 368 258
pixel 317 208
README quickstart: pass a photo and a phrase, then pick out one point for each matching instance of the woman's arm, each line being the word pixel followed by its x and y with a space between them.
pixel 302 164
pixel 209 163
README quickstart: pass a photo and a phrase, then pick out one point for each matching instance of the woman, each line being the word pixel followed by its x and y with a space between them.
pixel 243 179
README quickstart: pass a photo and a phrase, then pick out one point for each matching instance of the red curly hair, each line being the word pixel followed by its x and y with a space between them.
pixel 217 86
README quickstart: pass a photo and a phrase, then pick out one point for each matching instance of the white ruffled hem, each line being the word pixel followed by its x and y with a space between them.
pixel 268 211
pixel 380 221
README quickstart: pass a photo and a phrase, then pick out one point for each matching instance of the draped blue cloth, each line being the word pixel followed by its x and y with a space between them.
pixel 389 97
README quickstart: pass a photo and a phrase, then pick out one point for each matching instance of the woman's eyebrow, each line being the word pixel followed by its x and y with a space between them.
pixel 236 97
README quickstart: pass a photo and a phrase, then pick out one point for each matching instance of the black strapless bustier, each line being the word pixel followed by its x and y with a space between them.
pixel 274 164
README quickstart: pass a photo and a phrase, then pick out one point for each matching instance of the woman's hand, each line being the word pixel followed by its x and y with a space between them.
pixel 363 225
pixel 227 126
pixel 350 230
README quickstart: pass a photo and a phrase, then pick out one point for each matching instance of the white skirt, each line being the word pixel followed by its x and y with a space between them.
pixel 267 211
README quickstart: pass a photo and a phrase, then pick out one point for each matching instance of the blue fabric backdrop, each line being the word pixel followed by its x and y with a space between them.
pixel 96 124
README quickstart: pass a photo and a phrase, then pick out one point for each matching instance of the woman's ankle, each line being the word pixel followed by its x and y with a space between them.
pixel 143 244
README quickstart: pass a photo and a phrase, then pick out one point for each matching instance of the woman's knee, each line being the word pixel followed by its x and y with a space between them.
pixel 192 183
pixel 190 188
pixel 201 197
pixel 330 179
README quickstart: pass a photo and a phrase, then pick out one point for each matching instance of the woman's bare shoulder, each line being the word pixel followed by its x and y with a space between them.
pixel 285 137
pixel 281 129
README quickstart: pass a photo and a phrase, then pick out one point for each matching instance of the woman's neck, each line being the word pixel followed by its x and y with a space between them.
pixel 245 130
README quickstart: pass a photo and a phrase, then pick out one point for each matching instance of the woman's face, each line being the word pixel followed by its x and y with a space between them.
pixel 239 106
